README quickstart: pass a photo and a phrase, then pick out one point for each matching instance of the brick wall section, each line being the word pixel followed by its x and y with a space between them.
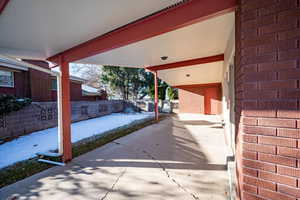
pixel 267 99
pixel 42 115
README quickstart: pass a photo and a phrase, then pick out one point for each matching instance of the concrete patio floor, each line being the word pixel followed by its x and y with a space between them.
pixel 182 157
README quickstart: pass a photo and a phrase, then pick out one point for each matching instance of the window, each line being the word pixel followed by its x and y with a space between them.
pixel 53 84
pixel 6 78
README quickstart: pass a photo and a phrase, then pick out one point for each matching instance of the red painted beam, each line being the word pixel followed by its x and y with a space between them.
pixel 187 63
pixel 197 85
pixel 3 4
pixel 167 20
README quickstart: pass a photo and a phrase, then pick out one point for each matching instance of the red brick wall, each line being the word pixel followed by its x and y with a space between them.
pixel 267 99
pixel 201 99
pixel 76 93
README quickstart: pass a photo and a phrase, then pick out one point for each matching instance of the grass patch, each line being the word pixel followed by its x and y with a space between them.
pixel 30 167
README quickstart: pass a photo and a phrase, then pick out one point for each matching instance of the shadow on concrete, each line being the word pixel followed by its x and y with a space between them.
pixel 167 145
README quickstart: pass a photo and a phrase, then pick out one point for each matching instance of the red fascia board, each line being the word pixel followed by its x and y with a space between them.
pixel 187 63
pixel 197 85
pixel 3 4
pixel 170 19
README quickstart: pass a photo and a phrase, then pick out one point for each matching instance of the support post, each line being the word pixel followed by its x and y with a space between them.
pixel 66 110
pixel 155 95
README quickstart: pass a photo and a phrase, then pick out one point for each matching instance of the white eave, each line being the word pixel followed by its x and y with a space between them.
pixel 89 91
pixel 75 78
pixel 12 65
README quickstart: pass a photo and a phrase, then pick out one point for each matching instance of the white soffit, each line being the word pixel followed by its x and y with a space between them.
pixel 41 28
pixel 203 39
pixel 196 74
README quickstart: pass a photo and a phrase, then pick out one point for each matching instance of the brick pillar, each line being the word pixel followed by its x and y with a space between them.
pixel 267 74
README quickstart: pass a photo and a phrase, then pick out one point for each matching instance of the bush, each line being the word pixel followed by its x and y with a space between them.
pixel 9 103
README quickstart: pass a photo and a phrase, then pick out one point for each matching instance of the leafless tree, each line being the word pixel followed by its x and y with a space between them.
pixel 91 73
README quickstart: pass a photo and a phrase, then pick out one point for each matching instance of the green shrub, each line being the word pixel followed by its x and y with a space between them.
pixel 9 103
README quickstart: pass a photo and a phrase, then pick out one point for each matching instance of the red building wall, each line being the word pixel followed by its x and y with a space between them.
pixel 267 99
pixel 37 85
pixel 75 93
pixel 21 84
pixel 40 82
pixel 201 99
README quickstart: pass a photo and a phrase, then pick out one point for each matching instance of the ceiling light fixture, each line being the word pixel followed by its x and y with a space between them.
pixel 164 57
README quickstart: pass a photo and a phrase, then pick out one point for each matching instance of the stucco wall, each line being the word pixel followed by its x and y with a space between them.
pixel 191 101
pixel 201 99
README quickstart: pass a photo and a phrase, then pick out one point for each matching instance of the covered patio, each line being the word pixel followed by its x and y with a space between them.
pixel 238 58
pixel 183 158
pixel 186 43
pixel 161 36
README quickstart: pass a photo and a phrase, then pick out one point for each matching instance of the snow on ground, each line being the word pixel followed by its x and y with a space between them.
pixel 26 147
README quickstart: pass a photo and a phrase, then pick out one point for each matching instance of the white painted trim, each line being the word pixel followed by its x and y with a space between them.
pixel 22 63
pixel 75 78
pixel 59 113
pixel 12 66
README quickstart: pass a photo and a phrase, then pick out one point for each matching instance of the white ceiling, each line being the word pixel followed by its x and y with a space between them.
pixel 199 40
pixel 198 74
pixel 41 28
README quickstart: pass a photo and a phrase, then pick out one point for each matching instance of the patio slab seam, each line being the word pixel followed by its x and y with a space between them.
pixel 194 196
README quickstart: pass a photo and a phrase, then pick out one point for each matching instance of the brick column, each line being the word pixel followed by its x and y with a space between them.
pixel 267 74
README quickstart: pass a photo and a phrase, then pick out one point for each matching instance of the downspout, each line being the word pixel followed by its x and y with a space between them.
pixel 59 112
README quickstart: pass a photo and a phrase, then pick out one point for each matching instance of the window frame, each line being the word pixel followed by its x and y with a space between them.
pixel 13 79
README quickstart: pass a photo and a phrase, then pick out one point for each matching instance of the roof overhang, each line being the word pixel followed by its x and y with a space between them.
pixel 181 15
pixel 12 65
